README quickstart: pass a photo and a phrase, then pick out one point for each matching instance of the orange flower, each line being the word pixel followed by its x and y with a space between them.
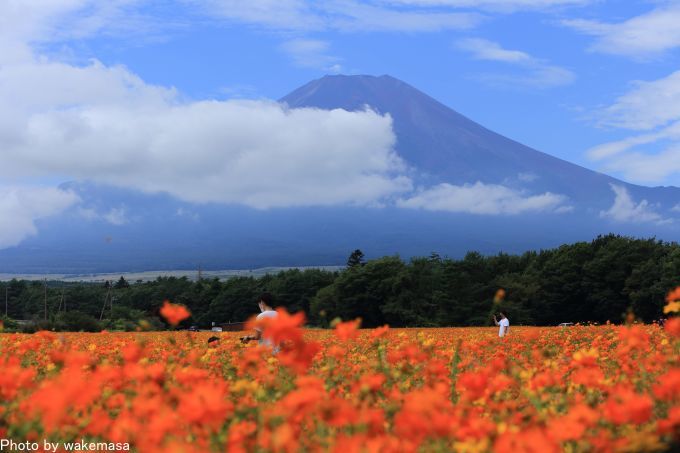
pixel 284 439
pixel 427 389
pixel 285 331
pixel 13 379
pixel 625 406
pixel 673 295
pixel 566 428
pixel 206 404
pixel 241 436
pixel 672 326
pixel 380 332
pixel 299 356
pixel 671 423
pixel 174 313
pixel 282 327
pixel 347 330
pixel 473 385
pixel 673 301
pixel 532 440
pixel 573 425
pixel 499 296
pixel 668 385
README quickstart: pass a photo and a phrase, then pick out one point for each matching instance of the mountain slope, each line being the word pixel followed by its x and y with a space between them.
pixel 451 148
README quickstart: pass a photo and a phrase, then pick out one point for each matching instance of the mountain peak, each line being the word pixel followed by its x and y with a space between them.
pixel 357 86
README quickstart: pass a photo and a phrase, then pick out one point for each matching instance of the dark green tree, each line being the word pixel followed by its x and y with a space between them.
pixel 121 283
pixel 356 259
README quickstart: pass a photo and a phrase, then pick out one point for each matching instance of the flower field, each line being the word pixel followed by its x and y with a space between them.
pixel 604 388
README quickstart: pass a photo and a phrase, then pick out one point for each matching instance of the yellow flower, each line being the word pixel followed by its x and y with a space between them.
pixel 672 307
pixel 472 446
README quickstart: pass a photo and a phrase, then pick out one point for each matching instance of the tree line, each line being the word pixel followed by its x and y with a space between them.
pixel 595 281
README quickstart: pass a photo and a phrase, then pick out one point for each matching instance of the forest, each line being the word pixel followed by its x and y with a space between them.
pixel 603 280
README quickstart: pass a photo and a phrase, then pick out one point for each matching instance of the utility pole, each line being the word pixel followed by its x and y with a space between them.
pixel 106 299
pixel 45 287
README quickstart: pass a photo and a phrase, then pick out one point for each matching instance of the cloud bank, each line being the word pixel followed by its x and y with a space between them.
pixel 480 198
pixel 625 209
pixel 641 37
pixel 20 207
pixel 652 156
pixel 536 73
pixel 106 124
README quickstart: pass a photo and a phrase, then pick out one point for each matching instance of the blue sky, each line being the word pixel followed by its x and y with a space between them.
pixel 208 54
pixel 173 96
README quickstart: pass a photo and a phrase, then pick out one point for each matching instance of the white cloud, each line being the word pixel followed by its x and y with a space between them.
pixel 312 53
pixel 649 34
pixel 361 16
pixel 651 157
pixel 371 15
pixel 124 132
pixel 29 21
pixel 536 73
pixel 482 198
pixel 114 216
pixel 625 209
pixel 527 177
pixel 345 15
pixel 104 123
pixel 646 106
pixel 647 168
pixel 181 212
pixel 502 5
pixel 276 14
pixel 483 49
pixel 20 207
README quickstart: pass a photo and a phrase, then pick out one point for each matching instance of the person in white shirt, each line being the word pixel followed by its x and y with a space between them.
pixel 265 303
pixel 504 324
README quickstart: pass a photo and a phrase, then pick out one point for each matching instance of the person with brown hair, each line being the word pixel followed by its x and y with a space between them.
pixel 265 303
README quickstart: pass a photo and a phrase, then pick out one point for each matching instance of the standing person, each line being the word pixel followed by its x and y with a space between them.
pixel 265 303
pixel 504 324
